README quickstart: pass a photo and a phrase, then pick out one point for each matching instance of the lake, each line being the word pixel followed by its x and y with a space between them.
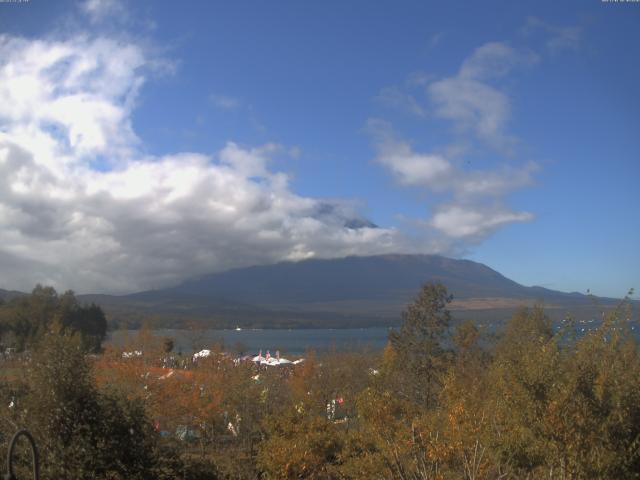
pixel 291 342
pixel 297 341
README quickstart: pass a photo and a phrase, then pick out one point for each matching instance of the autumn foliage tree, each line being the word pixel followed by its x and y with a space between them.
pixel 534 401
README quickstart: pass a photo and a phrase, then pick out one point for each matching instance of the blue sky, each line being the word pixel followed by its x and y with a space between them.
pixel 503 132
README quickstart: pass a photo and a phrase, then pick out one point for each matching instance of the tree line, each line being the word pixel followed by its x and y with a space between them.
pixel 24 320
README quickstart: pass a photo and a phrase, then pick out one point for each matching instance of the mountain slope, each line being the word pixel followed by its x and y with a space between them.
pixel 334 293
pixel 351 291
pixel 384 277
pixel 9 294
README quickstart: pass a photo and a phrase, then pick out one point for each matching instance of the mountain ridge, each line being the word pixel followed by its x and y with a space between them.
pixel 353 290
pixel 348 291
pixel 464 278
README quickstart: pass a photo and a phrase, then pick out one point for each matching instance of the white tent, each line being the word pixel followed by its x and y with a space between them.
pixel 276 361
pixel 135 353
pixel 202 354
pixel 258 358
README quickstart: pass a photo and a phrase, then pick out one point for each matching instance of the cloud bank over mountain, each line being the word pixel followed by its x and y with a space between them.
pixel 83 205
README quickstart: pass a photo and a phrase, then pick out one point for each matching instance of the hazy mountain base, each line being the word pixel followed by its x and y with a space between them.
pixel 347 292
pixel 337 293
pixel 181 311
pixel 345 315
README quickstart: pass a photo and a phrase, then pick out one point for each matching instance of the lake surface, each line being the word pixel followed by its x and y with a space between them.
pixel 291 342
pixel 297 341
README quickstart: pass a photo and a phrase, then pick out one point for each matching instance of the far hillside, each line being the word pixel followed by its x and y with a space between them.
pixel 336 293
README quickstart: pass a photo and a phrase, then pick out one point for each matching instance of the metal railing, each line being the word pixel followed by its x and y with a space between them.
pixel 35 460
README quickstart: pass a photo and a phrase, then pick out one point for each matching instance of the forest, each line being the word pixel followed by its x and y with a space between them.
pixel 437 403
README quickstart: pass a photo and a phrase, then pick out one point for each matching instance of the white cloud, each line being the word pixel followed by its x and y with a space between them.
pixel 473 222
pixel 225 102
pixel 145 221
pixel 436 39
pixel 419 79
pixel 396 98
pixel 474 207
pixel 474 105
pixel 102 10
pixel 494 60
pixel 493 183
pixel 436 172
pixel 409 168
pixel 72 99
pixel 558 37
pixel 462 217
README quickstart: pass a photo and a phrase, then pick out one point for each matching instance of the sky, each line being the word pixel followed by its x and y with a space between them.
pixel 144 143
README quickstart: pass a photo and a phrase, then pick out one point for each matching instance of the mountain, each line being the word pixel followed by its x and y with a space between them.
pixel 351 291
pixel 384 277
pixel 9 294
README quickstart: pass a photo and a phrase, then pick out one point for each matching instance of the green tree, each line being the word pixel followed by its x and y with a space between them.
pixel 418 345
pixel 593 417
pixel 81 432
pixel 24 320
pixel 168 345
pixel 523 373
pixel 88 320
